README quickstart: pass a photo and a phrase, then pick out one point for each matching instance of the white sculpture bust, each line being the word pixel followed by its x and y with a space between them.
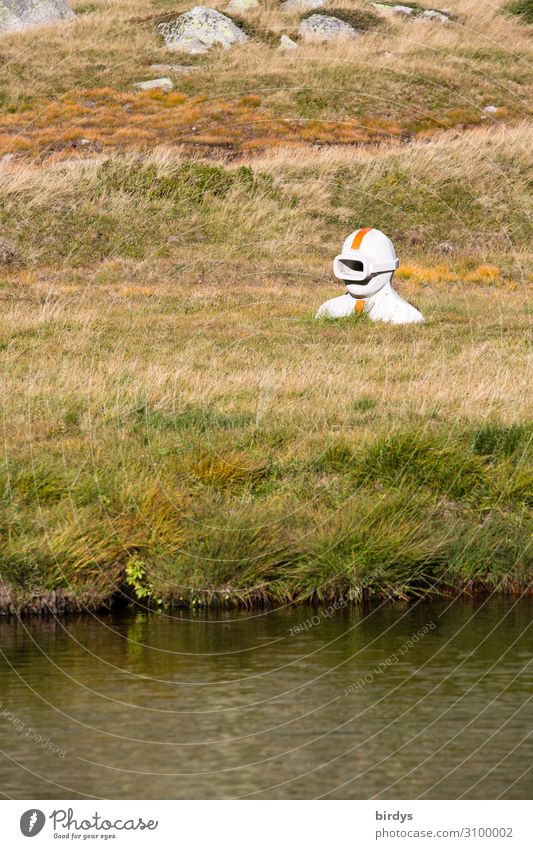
pixel 365 266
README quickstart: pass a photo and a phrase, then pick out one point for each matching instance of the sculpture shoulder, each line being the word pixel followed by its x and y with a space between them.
pixel 336 307
pixel 405 313
pixel 389 306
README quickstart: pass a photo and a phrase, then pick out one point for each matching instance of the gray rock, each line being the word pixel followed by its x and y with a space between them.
pixel 433 16
pixel 286 43
pixel 410 12
pixel 164 83
pixel 199 30
pixel 8 251
pixel 301 5
pixel 389 11
pixel 241 5
pixel 174 69
pixel 490 110
pixel 18 15
pixel 447 248
pixel 321 28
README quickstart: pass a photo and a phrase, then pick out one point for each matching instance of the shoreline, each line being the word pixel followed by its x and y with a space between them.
pixel 63 602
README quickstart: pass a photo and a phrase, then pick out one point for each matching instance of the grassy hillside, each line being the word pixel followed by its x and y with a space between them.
pixel 401 80
pixel 177 427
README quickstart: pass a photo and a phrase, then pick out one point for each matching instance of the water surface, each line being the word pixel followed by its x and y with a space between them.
pixel 296 703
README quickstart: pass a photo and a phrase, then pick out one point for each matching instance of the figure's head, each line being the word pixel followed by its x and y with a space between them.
pixel 367 262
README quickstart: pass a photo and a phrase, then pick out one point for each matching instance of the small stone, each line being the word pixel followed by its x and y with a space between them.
pixel 320 28
pixel 89 104
pixel 164 83
pixel 301 5
pixel 174 69
pixel 8 251
pixel 241 5
pixel 286 43
pixel 490 110
pixel 7 157
pixel 85 142
pixel 447 248
pixel 411 12
pixel 128 107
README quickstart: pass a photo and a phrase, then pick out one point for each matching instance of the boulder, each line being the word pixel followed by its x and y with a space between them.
pixel 301 5
pixel 17 15
pixel 241 5
pixel 199 30
pixel 164 83
pixel 326 28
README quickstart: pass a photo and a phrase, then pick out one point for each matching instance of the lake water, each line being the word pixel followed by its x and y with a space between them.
pixel 428 700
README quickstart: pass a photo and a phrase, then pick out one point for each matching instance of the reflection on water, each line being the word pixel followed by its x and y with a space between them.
pixel 428 700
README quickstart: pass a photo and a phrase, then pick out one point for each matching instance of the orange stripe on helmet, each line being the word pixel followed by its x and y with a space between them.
pixel 359 236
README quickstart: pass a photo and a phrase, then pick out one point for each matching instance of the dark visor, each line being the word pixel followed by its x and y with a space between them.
pixel 353 264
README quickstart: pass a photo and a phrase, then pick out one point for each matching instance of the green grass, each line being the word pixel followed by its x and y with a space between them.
pixel 399 516
pixel 522 9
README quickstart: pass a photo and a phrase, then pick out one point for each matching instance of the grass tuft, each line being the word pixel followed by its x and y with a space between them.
pixel 494 440
pixel 522 9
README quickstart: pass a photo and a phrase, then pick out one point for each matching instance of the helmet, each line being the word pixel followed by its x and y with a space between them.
pixel 367 262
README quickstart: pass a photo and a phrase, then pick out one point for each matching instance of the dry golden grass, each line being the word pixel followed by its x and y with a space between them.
pixel 108 351
pixel 404 79
pixel 223 314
